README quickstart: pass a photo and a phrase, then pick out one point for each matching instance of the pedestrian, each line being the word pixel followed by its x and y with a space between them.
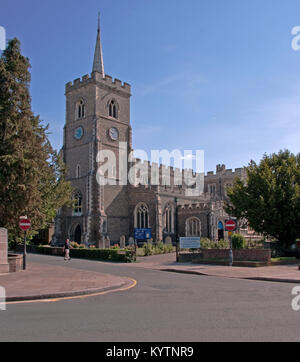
pixel 67 250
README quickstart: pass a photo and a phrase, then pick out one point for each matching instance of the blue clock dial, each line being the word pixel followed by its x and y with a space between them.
pixel 78 133
pixel 114 134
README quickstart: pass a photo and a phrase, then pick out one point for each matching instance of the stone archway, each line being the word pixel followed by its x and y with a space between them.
pixel 78 234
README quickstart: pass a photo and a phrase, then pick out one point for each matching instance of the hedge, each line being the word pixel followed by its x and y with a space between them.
pixel 123 256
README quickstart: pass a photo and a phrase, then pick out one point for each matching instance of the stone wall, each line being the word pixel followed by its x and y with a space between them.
pixel 238 254
pixel 15 263
pixel 262 255
pixel 4 267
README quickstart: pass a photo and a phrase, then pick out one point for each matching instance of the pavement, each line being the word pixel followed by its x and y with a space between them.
pixel 166 262
pixel 41 281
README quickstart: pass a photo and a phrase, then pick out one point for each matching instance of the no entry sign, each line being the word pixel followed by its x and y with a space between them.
pixel 230 225
pixel 24 224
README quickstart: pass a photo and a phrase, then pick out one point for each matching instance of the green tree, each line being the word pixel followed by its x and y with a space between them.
pixel 32 174
pixel 270 197
pixel 238 241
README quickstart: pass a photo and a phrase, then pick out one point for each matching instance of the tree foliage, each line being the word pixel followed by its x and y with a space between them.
pixel 270 197
pixel 32 174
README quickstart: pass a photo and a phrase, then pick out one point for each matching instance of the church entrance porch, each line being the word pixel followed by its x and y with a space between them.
pixel 77 234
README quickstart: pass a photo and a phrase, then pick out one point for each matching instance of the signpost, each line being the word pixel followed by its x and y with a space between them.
pixel 230 226
pixel 24 225
pixel 141 234
pixel 190 243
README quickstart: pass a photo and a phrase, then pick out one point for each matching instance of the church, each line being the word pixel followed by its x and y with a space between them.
pixel 97 119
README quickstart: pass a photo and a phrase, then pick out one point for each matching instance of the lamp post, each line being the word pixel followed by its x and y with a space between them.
pixel 230 250
pixel 176 230
pixel 24 225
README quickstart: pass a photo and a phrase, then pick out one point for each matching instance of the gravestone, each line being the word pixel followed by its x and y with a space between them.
pixel 4 266
pixel 107 243
pixel 122 242
pixel 100 244
pixel 168 240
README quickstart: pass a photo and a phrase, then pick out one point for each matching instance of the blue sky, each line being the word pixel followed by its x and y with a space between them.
pixel 206 74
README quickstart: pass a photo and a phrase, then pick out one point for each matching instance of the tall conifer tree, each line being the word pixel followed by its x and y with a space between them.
pixel 32 174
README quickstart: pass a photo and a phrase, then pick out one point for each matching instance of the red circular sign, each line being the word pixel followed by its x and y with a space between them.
pixel 24 224
pixel 230 225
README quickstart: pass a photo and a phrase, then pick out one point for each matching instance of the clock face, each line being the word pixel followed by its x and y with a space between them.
pixel 114 134
pixel 78 133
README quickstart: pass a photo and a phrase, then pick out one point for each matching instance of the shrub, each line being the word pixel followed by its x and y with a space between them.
pixel 223 244
pixel 254 244
pixel 74 245
pixel 205 243
pixel 147 248
pixel 209 244
pixel 168 249
pixel 159 248
pixel 103 254
pixel 130 256
pixel 238 241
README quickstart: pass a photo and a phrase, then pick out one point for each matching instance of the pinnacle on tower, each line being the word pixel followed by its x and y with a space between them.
pixel 98 65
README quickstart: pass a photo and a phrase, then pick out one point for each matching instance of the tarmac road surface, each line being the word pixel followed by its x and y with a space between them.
pixel 162 307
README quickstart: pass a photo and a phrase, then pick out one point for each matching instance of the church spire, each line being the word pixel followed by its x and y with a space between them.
pixel 98 65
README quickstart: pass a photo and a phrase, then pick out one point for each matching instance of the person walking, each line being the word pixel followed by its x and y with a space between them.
pixel 67 250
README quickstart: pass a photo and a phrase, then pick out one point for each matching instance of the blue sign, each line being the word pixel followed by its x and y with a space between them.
pixel 142 234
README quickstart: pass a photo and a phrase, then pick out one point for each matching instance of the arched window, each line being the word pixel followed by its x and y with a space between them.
pixel 193 227
pixel 77 203
pixel 212 189
pixel 80 109
pixel 113 109
pixel 169 219
pixel 141 216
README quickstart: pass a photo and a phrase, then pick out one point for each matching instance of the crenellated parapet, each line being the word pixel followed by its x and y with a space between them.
pixel 168 177
pixel 221 171
pixel 203 205
pixel 97 78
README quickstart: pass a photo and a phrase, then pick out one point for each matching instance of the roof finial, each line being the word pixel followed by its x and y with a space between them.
pixel 98 65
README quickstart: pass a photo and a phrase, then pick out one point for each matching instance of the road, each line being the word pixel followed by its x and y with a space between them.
pixel 163 307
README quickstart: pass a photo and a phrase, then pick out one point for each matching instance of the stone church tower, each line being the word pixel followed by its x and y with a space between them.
pixel 97 118
pixel 98 121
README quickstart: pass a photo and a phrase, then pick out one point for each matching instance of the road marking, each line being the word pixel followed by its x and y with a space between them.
pixel 134 283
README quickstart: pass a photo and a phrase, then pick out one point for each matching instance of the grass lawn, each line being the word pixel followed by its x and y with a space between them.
pixel 283 258
pixel 140 251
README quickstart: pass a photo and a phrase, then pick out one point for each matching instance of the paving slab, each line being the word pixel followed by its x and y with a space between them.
pixel 167 262
pixel 41 281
